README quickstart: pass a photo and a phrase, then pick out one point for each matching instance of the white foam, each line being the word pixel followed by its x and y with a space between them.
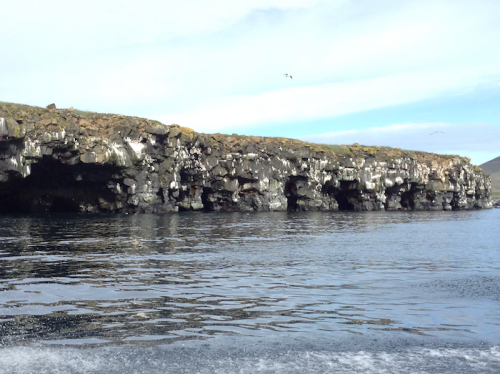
pixel 23 360
pixel 30 360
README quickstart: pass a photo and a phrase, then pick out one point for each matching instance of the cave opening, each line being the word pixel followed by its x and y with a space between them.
pixel 207 204
pixel 342 199
pixel 185 176
pixel 291 195
pixel 347 195
pixel 291 192
pixel 161 195
pixel 56 187
pixel 64 205
pixel 408 197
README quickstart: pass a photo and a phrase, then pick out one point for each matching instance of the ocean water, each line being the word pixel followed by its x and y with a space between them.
pixel 360 292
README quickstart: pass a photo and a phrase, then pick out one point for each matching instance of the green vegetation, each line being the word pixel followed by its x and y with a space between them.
pixel 379 152
pixel 83 113
pixel 337 149
pixel 451 157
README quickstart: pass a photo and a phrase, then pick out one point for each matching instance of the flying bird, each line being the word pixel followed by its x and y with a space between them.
pixel 287 76
pixel 435 132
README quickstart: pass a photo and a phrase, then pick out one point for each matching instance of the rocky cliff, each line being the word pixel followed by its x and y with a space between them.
pixel 68 160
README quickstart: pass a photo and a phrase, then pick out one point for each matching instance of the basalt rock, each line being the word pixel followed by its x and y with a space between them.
pixel 68 160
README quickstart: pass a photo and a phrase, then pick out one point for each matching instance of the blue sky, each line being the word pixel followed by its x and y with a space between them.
pixel 378 72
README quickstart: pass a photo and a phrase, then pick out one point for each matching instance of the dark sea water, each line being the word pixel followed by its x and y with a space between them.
pixel 342 292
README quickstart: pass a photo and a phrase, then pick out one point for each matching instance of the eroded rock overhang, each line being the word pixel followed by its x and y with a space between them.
pixel 71 161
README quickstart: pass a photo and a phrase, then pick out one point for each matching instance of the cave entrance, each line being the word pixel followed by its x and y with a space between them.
pixel 408 199
pixel 347 195
pixel 64 205
pixel 291 191
pixel 161 195
pixel 343 200
pixel 55 187
pixel 205 199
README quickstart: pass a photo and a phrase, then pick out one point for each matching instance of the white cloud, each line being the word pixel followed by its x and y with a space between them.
pixel 321 101
pixel 216 65
pixel 343 61
pixel 126 22
pixel 481 142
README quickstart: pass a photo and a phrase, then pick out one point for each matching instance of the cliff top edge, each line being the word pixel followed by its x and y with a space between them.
pixel 38 119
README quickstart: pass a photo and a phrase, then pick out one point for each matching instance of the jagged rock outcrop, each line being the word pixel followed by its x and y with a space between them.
pixel 68 160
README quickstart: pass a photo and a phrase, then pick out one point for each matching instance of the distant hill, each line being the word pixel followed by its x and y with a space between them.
pixel 493 168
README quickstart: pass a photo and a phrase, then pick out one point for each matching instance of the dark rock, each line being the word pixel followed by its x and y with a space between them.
pixel 68 160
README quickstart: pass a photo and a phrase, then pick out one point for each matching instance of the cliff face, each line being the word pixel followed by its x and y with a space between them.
pixel 67 160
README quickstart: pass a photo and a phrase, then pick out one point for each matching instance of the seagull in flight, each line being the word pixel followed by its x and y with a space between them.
pixel 287 75
pixel 435 132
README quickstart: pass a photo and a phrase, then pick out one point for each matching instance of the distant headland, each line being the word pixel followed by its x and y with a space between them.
pixel 66 160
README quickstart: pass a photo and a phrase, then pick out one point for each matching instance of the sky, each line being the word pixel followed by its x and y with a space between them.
pixel 419 75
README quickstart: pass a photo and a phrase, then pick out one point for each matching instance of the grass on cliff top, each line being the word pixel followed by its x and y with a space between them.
pixel 108 116
pixel 15 106
pixel 92 115
pixel 385 153
pixel 88 114
pixel 379 152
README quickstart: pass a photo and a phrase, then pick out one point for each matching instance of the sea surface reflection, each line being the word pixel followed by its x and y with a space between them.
pixel 144 279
